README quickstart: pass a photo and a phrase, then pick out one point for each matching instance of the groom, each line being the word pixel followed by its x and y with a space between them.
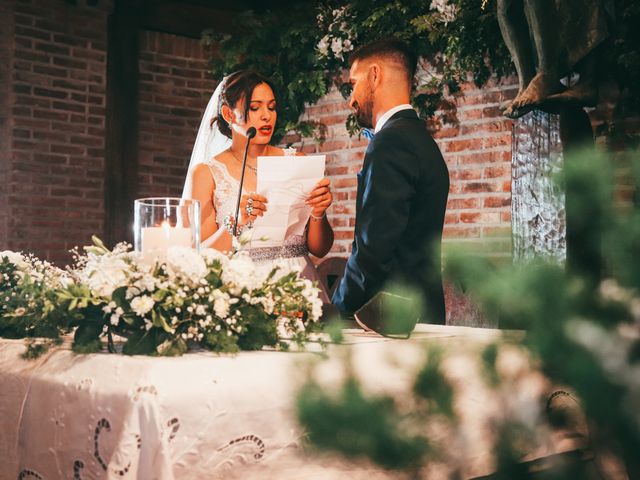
pixel 402 187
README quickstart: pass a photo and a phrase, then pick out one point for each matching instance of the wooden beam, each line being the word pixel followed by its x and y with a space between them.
pixel 186 20
pixel 121 144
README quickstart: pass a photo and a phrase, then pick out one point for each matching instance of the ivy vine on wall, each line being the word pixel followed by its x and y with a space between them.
pixel 304 48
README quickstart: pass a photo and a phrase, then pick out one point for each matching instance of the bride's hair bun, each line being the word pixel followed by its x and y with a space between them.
pixel 237 87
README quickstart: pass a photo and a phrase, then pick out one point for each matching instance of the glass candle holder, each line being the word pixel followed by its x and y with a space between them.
pixel 160 223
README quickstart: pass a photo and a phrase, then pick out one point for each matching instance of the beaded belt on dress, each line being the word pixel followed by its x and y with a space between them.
pixel 272 253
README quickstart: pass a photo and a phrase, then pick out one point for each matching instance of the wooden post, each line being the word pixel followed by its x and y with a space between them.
pixel 121 146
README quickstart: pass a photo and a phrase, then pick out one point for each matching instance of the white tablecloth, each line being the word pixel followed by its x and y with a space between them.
pixel 197 416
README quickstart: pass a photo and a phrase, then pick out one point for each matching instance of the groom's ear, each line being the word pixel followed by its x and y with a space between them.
pixel 375 74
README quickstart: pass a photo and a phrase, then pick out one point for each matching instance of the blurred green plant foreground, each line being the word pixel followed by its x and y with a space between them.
pixel 581 324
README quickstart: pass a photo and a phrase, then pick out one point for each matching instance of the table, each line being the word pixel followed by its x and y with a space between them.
pixel 201 415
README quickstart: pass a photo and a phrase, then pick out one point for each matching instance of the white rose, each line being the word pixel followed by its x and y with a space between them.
pixel 187 263
pixel 141 305
pixel 241 272
pixel 220 304
pixel 146 282
pixel 106 273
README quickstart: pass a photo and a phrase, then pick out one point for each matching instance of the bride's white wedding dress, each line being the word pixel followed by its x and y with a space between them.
pixel 210 142
pixel 293 252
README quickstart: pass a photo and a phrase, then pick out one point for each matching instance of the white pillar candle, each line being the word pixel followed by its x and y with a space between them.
pixel 157 240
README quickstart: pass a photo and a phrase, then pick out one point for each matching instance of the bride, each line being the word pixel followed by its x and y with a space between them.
pixel 243 100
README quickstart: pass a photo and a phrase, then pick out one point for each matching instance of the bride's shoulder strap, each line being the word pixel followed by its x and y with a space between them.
pixel 219 171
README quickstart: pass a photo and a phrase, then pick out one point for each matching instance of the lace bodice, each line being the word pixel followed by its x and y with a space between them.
pixel 226 196
pixel 226 192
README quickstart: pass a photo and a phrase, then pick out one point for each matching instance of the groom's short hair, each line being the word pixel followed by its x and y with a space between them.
pixel 391 49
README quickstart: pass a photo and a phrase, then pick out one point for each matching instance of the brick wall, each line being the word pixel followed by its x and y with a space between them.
pixel 174 91
pixel 52 121
pixel 55 198
pixel 476 143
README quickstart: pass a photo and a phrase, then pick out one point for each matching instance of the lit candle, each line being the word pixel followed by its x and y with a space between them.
pixel 157 240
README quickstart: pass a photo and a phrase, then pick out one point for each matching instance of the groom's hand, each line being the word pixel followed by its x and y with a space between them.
pixel 320 197
pixel 252 206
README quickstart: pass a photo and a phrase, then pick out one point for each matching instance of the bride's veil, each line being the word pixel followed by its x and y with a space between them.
pixel 209 141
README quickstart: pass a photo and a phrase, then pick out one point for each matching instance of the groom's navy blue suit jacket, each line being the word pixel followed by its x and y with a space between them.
pixel 402 197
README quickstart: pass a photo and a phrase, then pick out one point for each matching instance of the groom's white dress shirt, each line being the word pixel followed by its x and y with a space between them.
pixel 389 113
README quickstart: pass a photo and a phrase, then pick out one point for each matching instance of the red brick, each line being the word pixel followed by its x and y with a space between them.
pixel 479 217
pixel 469 174
pixel 460 232
pixel 344 182
pixel 484 157
pixel 478 187
pixel 462 145
pixel 496 231
pixel 496 202
pixel 496 172
pixel 338 209
pixel 343 234
pixel 491 112
pixel 497 141
pixel 462 203
pixel 451 218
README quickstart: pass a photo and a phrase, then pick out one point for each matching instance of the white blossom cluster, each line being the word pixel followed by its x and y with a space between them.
pixel 23 281
pixel 35 269
pixel 446 10
pixel 339 37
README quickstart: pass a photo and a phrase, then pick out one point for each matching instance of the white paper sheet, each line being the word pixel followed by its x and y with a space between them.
pixel 285 182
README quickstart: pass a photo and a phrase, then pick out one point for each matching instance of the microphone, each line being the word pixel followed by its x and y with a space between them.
pixel 251 132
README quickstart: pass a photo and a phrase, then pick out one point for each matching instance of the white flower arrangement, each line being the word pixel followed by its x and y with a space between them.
pixel 190 300
pixel 26 286
pixel 340 37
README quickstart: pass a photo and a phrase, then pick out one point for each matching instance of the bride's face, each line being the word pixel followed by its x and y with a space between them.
pixel 261 115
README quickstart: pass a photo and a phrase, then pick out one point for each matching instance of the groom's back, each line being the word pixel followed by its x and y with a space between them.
pixel 417 254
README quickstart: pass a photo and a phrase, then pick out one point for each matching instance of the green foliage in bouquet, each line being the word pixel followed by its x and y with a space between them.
pixel 188 300
pixel 581 324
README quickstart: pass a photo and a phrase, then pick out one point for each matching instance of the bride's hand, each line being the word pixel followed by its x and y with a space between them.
pixel 252 206
pixel 320 198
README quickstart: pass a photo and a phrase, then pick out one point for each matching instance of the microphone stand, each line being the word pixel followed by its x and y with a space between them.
pixel 251 132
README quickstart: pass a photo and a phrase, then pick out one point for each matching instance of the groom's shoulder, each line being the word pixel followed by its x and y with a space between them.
pixel 404 130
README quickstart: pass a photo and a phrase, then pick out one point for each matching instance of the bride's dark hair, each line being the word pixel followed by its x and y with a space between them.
pixel 238 86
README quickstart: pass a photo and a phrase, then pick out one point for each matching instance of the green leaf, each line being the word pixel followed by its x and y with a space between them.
pixel 141 343
pixel 87 338
pixel 158 319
